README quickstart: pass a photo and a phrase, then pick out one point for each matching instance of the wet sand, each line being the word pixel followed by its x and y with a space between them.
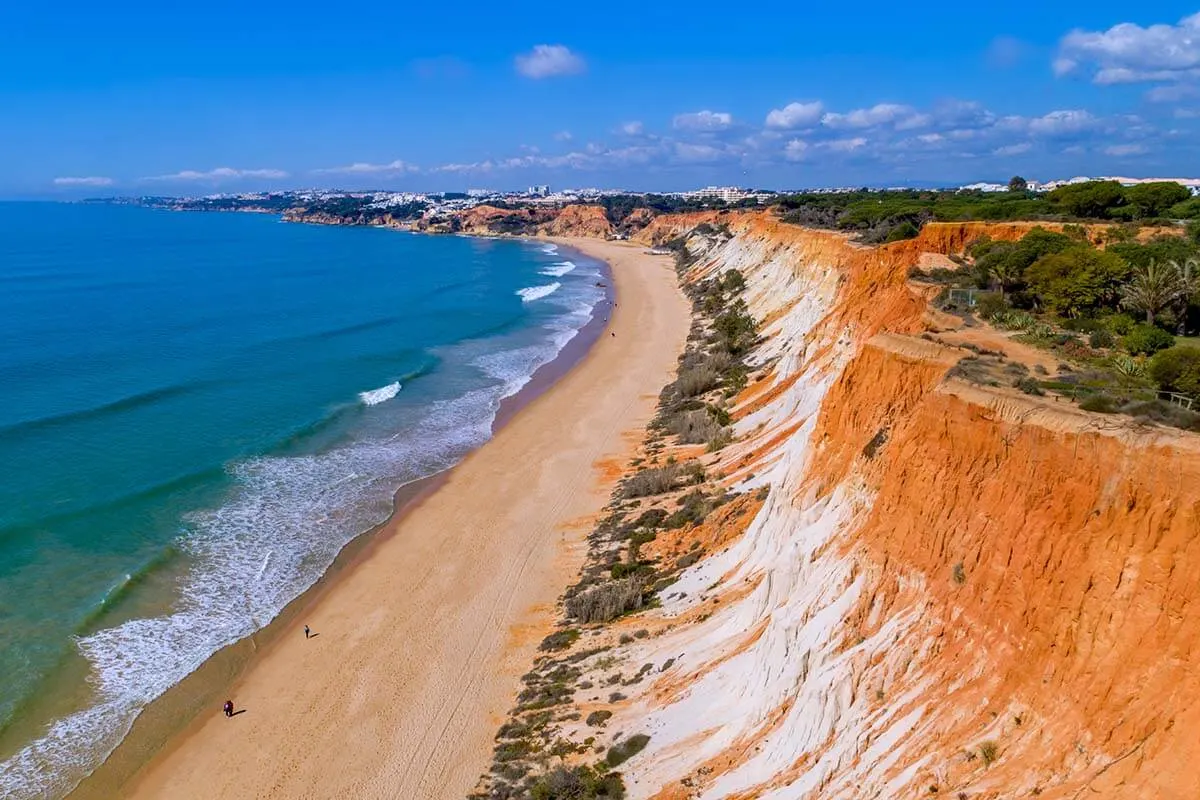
pixel 421 641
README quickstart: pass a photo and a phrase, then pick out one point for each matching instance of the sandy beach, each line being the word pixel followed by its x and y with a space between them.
pixel 420 644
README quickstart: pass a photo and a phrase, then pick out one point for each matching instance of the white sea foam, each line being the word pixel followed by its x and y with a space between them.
pixel 549 249
pixel 277 534
pixel 280 530
pixel 559 269
pixel 531 293
pixel 380 395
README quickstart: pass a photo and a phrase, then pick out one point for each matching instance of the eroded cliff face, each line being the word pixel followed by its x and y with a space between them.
pixel 947 591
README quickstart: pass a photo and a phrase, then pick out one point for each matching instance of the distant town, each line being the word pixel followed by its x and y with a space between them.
pixel 433 205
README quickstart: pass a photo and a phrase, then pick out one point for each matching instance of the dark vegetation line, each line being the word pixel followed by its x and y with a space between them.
pixel 890 216
pixel 546 750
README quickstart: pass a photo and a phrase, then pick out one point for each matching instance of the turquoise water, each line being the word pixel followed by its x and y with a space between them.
pixel 197 411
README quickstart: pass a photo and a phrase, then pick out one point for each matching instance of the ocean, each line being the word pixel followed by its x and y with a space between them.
pixel 199 410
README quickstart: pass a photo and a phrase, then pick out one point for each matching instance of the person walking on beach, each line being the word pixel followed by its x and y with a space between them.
pixel 307 632
pixel 229 708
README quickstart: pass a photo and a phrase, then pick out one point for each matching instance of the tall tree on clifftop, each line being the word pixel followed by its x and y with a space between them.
pixel 1018 184
pixel 1154 287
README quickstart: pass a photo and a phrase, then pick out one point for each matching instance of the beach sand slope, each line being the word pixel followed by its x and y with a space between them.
pixel 422 642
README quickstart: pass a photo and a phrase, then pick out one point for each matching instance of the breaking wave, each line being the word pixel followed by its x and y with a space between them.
pixel 531 293
pixel 380 395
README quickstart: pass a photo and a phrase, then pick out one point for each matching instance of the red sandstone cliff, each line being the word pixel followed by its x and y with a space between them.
pixel 949 590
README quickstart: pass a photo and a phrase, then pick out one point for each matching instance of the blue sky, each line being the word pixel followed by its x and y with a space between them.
pixel 157 98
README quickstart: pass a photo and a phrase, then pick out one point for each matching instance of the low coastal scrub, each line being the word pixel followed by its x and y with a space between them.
pixel 651 481
pixel 607 601
pixel 700 426
pixel 713 367
pixel 544 748
pixel 578 783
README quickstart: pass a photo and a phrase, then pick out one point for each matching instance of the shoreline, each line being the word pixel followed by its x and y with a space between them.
pixel 166 721
pixel 159 754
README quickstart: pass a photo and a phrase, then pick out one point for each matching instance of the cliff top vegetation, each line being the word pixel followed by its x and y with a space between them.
pixel 893 215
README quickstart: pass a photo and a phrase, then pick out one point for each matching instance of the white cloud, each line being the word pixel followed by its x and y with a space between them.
pixel 93 180
pixel 703 121
pixel 1064 66
pixel 361 168
pixel 845 145
pixel 962 114
pixel 796 150
pixel 633 128
pixel 901 116
pixel 593 156
pixel 220 174
pixel 563 136
pixel 475 166
pixel 548 61
pixel 1120 150
pixel 1062 123
pixel 795 115
pixel 698 153
pixel 1013 149
pixel 1171 93
pixel 1129 53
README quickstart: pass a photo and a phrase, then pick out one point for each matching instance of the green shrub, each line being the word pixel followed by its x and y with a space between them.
pixel 650 481
pixel 580 782
pixel 695 427
pixel 989 304
pixel 1177 369
pixel 732 281
pixel 1029 386
pixel 989 752
pixel 1146 340
pixel 559 640
pixel 719 414
pixel 905 230
pixel 1083 324
pixel 622 570
pixel 512 750
pixel 1100 403
pixel 623 751
pixel 697 380
pixel 650 518
pixel 597 718
pixel 608 600
pixel 1101 338
pixel 1164 412
pixel 1120 324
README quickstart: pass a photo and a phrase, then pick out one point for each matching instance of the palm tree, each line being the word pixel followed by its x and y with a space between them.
pixel 1003 273
pixel 1189 288
pixel 1153 288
